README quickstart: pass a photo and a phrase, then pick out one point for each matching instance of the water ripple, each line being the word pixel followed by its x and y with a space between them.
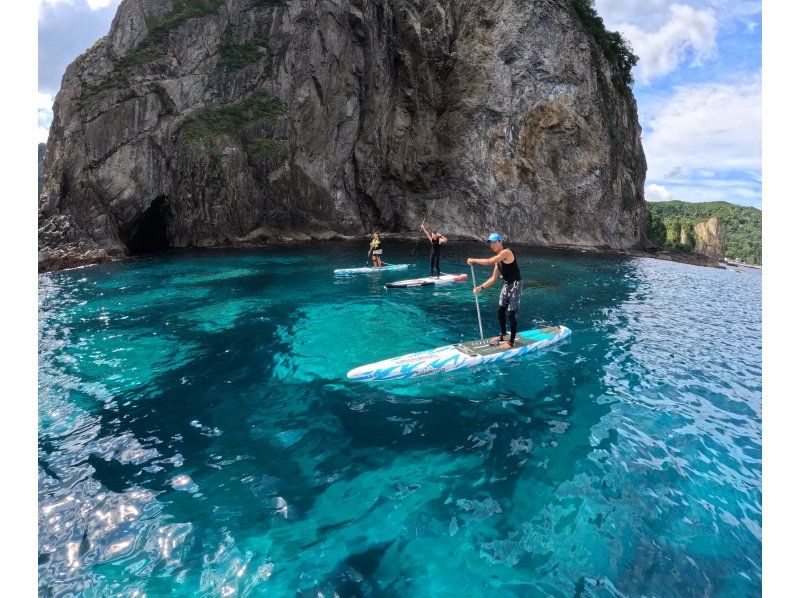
pixel 197 435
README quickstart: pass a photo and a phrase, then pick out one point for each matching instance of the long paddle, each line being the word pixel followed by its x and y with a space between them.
pixel 418 235
pixel 477 305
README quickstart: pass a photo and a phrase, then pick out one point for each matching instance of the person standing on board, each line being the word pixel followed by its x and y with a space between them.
pixel 376 250
pixel 436 240
pixel 505 265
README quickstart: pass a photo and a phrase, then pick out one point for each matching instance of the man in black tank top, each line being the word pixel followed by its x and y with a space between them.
pixel 505 265
pixel 436 240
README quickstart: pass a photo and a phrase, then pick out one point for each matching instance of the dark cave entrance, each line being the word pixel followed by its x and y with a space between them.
pixel 149 233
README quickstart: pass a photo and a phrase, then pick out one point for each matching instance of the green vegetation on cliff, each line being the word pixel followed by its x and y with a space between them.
pixel 150 47
pixel 741 226
pixel 233 119
pixel 263 147
pixel 233 56
pixel 615 47
pixel 158 29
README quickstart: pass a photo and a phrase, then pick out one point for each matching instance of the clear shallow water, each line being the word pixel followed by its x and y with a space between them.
pixel 197 434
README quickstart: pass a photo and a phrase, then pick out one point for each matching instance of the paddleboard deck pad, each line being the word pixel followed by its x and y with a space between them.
pixel 422 282
pixel 366 269
pixel 457 356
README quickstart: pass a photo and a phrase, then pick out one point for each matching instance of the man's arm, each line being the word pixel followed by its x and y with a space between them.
pixel 490 260
pixel 425 230
pixel 442 239
pixel 490 282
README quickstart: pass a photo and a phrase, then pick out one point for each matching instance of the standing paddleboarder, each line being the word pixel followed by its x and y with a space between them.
pixel 436 240
pixel 505 265
pixel 376 250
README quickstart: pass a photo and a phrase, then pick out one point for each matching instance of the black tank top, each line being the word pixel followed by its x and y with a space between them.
pixel 510 272
pixel 435 247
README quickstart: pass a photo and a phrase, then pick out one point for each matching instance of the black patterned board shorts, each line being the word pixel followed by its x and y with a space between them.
pixel 510 295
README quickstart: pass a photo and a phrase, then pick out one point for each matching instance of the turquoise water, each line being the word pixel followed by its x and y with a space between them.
pixel 198 436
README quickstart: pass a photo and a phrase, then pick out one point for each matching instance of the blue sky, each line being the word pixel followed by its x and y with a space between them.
pixel 698 89
pixel 698 86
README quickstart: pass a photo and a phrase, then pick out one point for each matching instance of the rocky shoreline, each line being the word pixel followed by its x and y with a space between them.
pixel 694 259
pixel 54 261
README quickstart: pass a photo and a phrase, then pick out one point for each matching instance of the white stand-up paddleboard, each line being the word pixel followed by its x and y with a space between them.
pixel 455 357
pixel 421 282
pixel 367 269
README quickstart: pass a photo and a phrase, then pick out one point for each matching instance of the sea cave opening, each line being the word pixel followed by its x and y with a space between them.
pixel 149 233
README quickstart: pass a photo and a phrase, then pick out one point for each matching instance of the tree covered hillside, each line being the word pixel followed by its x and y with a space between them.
pixel 741 226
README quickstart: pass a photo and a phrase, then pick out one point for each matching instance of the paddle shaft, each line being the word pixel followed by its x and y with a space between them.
pixel 477 304
pixel 417 241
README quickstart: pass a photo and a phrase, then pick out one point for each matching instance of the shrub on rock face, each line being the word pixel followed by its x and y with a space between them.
pixel 233 56
pixel 679 235
pixel 159 28
pixel 615 47
pixel 263 147
pixel 150 48
pixel 655 230
pixel 231 119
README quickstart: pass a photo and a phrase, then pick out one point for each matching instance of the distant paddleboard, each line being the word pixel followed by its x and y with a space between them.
pixel 366 269
pixel 455 357
pixel 421 282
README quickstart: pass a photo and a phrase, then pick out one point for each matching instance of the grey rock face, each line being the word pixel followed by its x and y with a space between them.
pixel 40 161
pixel 499 115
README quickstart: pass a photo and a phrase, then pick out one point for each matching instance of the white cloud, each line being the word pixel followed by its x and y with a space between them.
pixel 92 4
pixel 648 14
pixel 742 192
pixel 44 108
pixel 42 134
pixel 737 9
pixel 655 192
pixel 714 127
pixel 685 32
pixel 45 4
pixel 703 143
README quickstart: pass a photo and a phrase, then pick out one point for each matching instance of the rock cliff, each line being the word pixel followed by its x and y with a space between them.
pixel 710 240
pixel 40 162
pixel 208 122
